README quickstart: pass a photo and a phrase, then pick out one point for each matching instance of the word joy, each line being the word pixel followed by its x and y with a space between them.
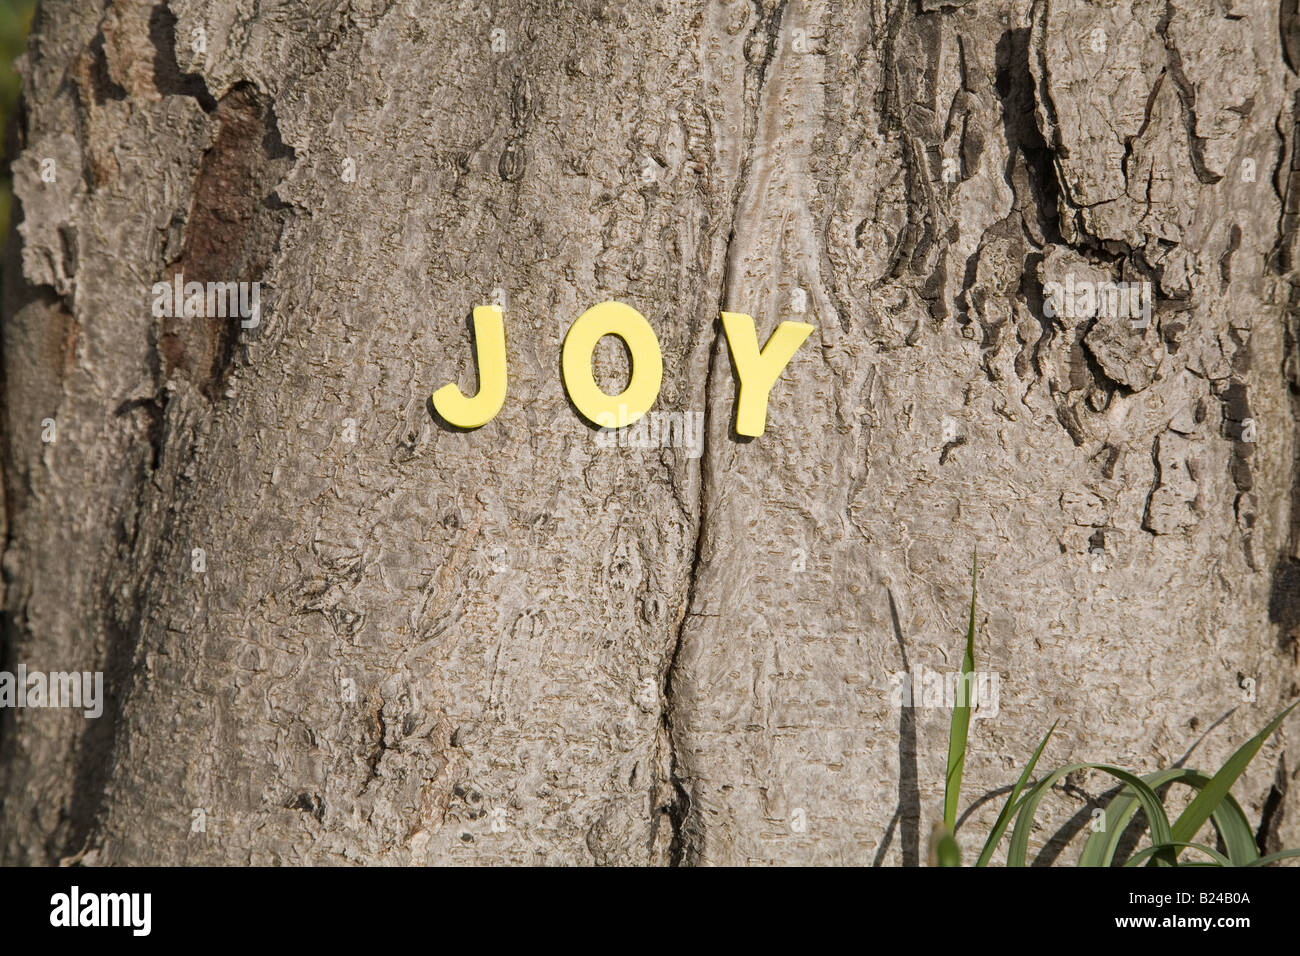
pixel 756 369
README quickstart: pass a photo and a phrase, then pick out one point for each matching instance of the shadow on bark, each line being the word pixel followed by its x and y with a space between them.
pixel 907 818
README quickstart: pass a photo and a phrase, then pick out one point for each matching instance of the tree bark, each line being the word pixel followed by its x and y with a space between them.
pixel 409 643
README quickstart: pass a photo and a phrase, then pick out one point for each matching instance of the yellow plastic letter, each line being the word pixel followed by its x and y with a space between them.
pixel 490 353
pixel 612 318
pixel 758 371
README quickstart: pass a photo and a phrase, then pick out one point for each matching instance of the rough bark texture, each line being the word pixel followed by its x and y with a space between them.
pixel 568 653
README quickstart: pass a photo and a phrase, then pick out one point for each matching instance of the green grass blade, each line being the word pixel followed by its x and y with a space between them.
pixel 1230 821
pixel 1214 792
pixel 1018 850
pixel 1100 847
pixel 1008 809
pixel 1274 857
pixel 960 728
pixel 1218 858
pixel 1228 818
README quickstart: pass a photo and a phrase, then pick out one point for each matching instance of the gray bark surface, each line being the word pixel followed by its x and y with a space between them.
pixel 568 653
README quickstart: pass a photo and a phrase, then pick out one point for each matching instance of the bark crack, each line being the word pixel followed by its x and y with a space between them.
pixel 687 844
pixel 1187 97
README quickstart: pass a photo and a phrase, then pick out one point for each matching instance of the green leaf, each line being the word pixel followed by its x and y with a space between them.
pixel 1274 857
pixel 960 727
pixel 1004 818
pixel 1219 858
pixel 1214 792
pixel 1018 850
pixel 1228 819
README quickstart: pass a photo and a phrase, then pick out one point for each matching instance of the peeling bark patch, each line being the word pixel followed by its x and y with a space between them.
pixel 93 75
pixel 1029 171
pixel 1123 355
pixel 308 803
pixel 127 50
pixel 1284 602
pixel 167 76
pixel 1108 458
pixel 1289 192
pixel 231 234
pixel 1236 418
pixel 512 163
pixel 1288 16
pixel 154 414
pixel 1187 97
pixel 1225 261
pixel 1173 505
pixel 61 341
pixel 950 447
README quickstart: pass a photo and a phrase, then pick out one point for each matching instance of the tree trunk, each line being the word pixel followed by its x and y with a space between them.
pixel 334 629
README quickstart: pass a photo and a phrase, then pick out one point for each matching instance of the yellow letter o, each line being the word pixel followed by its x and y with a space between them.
pixel 612 411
